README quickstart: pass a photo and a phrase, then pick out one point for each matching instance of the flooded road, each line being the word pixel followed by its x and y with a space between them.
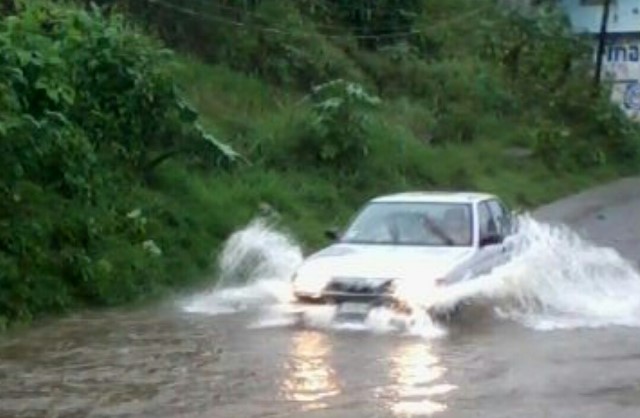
pixel 578 357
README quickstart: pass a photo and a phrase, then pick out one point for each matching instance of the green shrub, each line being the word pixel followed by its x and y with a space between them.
pixel 102 77
pixel 88 110
pixel 338 132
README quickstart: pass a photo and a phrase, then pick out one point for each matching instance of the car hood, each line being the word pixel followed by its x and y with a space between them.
pixel 382 261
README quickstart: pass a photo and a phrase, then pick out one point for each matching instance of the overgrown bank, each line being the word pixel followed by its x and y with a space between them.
pixel 113 191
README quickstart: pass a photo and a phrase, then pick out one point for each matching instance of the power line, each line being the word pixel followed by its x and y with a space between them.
pixel 246 12
pixel 218 19
pixel 268 29
pixel 342 7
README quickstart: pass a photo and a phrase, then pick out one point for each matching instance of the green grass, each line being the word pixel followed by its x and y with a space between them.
pixel 252 115
pixel 261 120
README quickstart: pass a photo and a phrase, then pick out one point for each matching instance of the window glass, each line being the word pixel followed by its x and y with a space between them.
pixel 501 217
pixel 412 223
pixel 485 218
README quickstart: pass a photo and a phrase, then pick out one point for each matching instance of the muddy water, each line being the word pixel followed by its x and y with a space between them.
pixel 210 362
pixel 164 364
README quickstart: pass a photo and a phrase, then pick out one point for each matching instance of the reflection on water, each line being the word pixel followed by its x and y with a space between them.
pixel 309 378
pixel 416 374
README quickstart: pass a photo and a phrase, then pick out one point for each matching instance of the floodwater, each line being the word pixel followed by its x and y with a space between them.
pixel 554 334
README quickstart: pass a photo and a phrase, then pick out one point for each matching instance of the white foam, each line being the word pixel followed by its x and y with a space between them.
pixel 556 280
pixel 254 271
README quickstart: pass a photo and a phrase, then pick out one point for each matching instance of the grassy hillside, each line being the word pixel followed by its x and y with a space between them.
pixel 118 182
pixel 459 101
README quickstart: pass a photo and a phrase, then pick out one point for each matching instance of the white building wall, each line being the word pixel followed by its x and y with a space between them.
pixel 621 58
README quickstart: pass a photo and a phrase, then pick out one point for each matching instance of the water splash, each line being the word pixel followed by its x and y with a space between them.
pixel 254 271
pixel 379 321
pixel 555 280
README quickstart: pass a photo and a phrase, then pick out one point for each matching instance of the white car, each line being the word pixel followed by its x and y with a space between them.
pixel 400 248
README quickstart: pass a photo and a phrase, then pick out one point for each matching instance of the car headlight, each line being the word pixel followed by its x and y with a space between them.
pixel 401 291
pixel 309 283
pixel 415 291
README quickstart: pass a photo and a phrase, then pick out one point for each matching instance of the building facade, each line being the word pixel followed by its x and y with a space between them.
pixel 621 56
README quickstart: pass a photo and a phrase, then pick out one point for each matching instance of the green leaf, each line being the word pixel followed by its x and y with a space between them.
pixel 187 113
pixel 224 150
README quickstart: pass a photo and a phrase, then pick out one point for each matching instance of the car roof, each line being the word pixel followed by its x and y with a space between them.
pixel 434 197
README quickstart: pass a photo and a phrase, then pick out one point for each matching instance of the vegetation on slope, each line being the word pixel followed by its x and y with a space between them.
pixel 88 112
pixel 114 189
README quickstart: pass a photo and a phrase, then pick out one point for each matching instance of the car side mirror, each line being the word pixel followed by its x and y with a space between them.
pixel 332 233
pixel 491 239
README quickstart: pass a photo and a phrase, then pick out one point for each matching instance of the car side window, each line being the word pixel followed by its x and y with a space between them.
pixel 501 217
pixel 486 222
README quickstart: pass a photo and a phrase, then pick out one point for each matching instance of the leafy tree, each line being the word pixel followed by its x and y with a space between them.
pixel 88 107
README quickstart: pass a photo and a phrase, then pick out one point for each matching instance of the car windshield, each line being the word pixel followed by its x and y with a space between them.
pixel 412 223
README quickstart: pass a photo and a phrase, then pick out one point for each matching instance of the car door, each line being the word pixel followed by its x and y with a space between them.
pixel 506 225
pixel 489 224
pixel 502 217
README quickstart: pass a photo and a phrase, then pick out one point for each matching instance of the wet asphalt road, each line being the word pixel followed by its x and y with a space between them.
pixel 165 363
pixel 608 215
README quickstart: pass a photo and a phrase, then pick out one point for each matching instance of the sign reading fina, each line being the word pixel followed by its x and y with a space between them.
pixel 621 57
pixel 622 53
pixel 621 63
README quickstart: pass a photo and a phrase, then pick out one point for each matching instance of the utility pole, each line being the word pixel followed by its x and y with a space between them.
pixel 602 38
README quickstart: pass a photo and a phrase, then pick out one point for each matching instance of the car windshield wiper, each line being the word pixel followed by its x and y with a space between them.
pixel 438 231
